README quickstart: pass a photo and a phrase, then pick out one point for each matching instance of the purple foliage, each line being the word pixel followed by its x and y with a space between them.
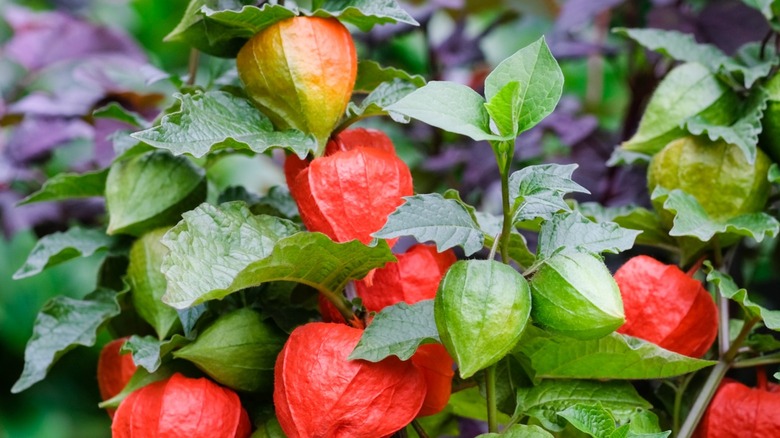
pixel 576 13
pixel 35 137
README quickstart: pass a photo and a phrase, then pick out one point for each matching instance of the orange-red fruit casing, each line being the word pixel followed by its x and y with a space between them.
pixel 114 370
pixel 665 306
pixel 740 411
pixel 349 194
pixel 436 365
pixel 301 72
pixel 318 392
pixel 181 407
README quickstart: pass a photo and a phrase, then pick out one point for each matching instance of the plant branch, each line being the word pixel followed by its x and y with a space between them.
pixel 343 308
pixel 193 66
pixel 419 429
pixel 490 394
pixel 770 359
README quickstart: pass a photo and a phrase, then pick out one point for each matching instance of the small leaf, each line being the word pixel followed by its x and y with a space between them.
pixel 397 330
pixel 116 111
pixel 777 376
pixel 614 356
pixel 691 220
pixel 573 232
pixel 548 399
pixel 62 324
pixel 591 419
pixel 644 424
pixel 431 217
pixel 148 352
pixel 504 108
pixel 70 186
pixel 774 173
pixel 538 191
pixel 215 120
pixel 728 289
pixel 363 13
pixel 141 378
pixel 677 45
pixel 631 217
pixel 540 79
pixel 688 90
pixel 469 403
pixel 386 94
pixel 519 431
pixel 743 132
pixel 371 74
pixel 56 248
pixel 449 106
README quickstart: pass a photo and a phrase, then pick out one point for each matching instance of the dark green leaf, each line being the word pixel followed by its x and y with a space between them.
pixel 687 91
pixel 141 378
pixel 214 120
pixel 631 217
pixel 573 232
pixel 519 431
pixel 470 403
pixel 279 199
pixel 728 288
pixel 134 199
pixel 189 317
pixel 540 82
pixel 363 13
pixel 449 106
pixel 615 356
pixel 743 132
pixel 431 217
pixel 386 94
pixel 592 419
pixel 538 191
pixel 691 220
pixel 397 330
pixel 774 173
pixel 62 324
pixel 518 249
pixel 116 111
pixel 370 75
pixel 69 186
pixel 148 352
pixel 60 247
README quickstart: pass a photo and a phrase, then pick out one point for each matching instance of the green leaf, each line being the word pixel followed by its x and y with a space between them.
pixel 370 74
pixel 214 120
pixel 644 424
pixel 678 46
pixel 147 283
pixel 397 330
pixel 540 79
pixel 449 106
pixel 518 249
pixel 148 351
pixel 375 104
pixel 140 378
pixel 743 132
pixel 216 251
pixel 548 399
pixel 62 324
pixel 69 186
pixel 538 191
pixel 764 6
pixel 519 431
pixel 469 403
pixel 631 217
pixel 115 111
pixel 56 248
pixel 363 13
pixel 615 356
pixel 221 27
pixel 134 199
pixel 774 173
pixel 687 91
pixel 749 64
pixel 591 419
pixel 504 108
pixel 728 289
pixel 777 376
pixel 481 310
pixel 573 232
pixel 431 217
pixel 691 220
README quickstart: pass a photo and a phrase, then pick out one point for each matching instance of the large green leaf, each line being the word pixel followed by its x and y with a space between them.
pixel 573 232
pixel 729 289
pixel 691 220
pixel 363 13
pixel 431 217
pixel 481 310
pixel 397 330
pixel 147 283
pixel 615 356
pixel 540 83
pixel 371 74
pixel 688 90
pixel 150 191
pixel 216 251
pixel 538 191
pixel 519 431
pixel 449 106
pixel 56 248
pixel 69 186
pixel 592 419
pixel 548 399
pixel 213 120
pixel 743 132
pixel 631 217
pixel 62 324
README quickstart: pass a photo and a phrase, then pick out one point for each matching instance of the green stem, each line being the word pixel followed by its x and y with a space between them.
pixel 506 227
pixel 193 66
pixel 678 396
pixel 490 394
pixel 419 429
pixel 770 359
pixel 345 310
